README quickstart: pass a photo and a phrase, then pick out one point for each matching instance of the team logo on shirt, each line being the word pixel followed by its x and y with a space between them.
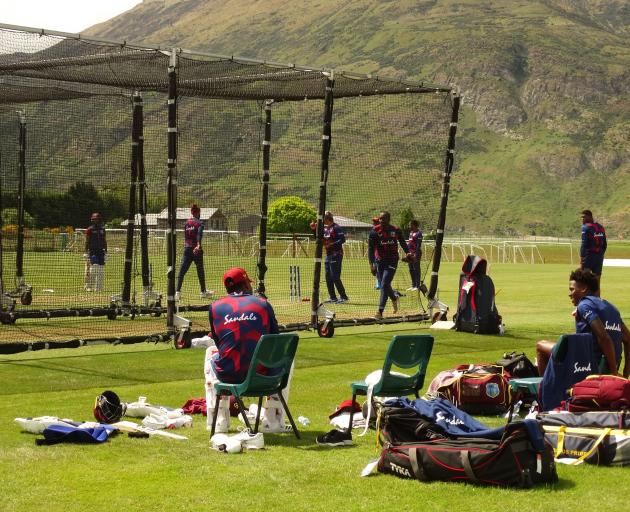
pixel 239 318
pixel 440 416
pixel 580 369
pixel 612 327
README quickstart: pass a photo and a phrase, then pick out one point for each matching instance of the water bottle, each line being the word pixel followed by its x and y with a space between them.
pixel 304 421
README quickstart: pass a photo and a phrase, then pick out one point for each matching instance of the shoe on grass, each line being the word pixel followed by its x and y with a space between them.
pixel 250 441
pixel 343 300
pixel 206 294
pixel 335 438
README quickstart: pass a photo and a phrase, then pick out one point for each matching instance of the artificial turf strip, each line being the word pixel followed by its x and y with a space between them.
pixel 290 474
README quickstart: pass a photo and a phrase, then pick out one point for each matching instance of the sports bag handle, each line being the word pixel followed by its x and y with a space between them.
pixel 560 446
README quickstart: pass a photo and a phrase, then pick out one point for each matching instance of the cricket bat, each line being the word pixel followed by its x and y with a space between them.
pixel 130 426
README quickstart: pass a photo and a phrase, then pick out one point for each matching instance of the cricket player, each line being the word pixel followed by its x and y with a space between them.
pixel 414 242
pixel 193 252
pixel 383 242
pixel 237 322
pixel 95 253
pixel 593 245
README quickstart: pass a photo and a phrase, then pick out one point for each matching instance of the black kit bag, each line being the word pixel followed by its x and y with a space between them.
pixel 518 365
pixel 512 461
pixel 476 309
pixel 399 425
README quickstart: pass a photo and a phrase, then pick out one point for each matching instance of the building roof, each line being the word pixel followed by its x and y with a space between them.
pixel 184 213
pixel 345 222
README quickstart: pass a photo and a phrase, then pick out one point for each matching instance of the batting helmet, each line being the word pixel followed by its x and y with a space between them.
pixel 108 408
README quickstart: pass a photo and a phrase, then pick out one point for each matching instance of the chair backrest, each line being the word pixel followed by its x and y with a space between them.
pixel 405 351
pixel 276 353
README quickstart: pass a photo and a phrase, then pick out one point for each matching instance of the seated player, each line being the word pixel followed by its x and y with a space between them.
pixel 237 322
pixel 597 316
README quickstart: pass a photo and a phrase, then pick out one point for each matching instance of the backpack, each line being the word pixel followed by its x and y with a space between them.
pixel 474 388
pixel 518 365
pixel 521 458
pixel 476 310
pixel 599 393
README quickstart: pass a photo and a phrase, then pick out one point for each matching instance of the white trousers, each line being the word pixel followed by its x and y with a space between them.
pixel 272 415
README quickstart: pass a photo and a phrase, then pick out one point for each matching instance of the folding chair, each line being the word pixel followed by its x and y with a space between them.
pixel 274 352
pixel 405 351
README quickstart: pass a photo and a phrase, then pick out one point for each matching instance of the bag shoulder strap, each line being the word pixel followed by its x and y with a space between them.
pixel 467 465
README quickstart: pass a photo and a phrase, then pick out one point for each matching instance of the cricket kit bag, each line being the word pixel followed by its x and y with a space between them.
pixel 474 388
pixel 599 393
pixel 521 458
pixel 518 365
pixel 476 310
pixel 573 359
pixel 403 420
pixel 595 437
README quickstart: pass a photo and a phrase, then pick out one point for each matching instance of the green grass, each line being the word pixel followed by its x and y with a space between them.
pixel 289 474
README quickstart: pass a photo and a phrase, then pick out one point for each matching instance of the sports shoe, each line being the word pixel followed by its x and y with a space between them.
pixel 396 304
pixel 331 300
pixel 227 444
pixel 335 438
pixel 206 294
pixel 250 441
pixel 178 295
pixel 342 300
pixel 378 315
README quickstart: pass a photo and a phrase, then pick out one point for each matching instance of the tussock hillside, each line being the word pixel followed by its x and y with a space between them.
pixel 545 131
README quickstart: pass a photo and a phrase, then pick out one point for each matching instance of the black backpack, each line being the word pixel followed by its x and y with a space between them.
pixel 476 310
pixel 518 365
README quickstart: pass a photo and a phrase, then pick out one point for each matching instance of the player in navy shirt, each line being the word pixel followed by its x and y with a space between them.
pixel 414 243
pixel 193 252
pixel 593 244
pixel 599 317
pixel 383 242
pixel 237 322
pixel 95 253
pixel 334 238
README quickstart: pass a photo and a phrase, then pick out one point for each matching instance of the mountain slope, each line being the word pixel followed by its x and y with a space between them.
pixel 546 127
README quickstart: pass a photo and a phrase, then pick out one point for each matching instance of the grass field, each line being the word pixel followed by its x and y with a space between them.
pixel 141 474
pixel 57 280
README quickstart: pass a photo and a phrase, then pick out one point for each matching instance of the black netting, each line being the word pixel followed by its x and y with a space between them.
pixel 389 141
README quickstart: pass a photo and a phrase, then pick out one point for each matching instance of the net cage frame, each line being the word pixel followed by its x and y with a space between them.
pixel 69 69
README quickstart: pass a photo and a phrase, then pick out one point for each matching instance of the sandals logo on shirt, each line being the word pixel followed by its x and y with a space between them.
pixel 240 318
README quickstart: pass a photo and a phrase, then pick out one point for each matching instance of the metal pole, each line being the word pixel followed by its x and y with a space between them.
pixel 171 190
pixel 131 214
pixel 321 206
pixel 264 203
pixel 448 168
pixel 142 198
pixel 19 258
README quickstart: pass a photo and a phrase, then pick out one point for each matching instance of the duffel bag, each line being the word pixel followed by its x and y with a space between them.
pixel 590 419
pixel 521 458
pixel 598 446
pixel 475 388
